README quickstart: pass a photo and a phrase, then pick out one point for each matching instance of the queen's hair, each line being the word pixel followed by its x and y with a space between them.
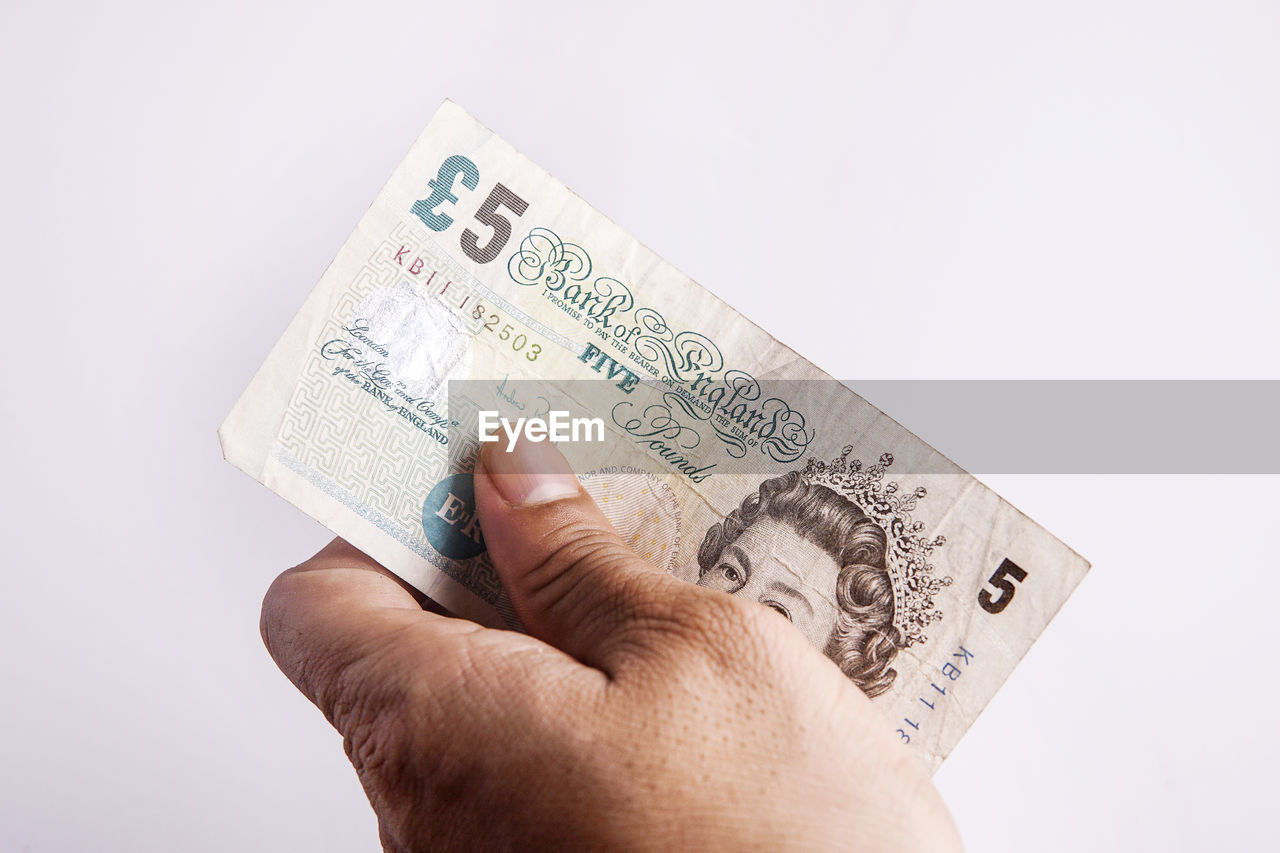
pixel 864 640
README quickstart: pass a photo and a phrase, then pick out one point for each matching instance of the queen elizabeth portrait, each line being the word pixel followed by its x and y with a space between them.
pixel 815 557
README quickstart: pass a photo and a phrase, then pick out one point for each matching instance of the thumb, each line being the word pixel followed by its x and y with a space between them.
pixel 573 581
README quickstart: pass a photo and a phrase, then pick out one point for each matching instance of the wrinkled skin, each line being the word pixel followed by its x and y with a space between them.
pixel 639 713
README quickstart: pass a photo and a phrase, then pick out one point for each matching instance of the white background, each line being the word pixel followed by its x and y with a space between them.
pixel 1082 189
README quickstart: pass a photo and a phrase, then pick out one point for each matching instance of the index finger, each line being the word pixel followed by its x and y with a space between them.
pixel 346 631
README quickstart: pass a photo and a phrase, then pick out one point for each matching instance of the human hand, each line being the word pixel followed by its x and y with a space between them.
pixel 640 712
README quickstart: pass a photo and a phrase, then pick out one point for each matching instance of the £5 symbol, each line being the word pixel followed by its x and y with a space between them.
pixel 488 214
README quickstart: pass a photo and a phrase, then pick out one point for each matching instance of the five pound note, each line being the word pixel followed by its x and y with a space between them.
pixel 478 293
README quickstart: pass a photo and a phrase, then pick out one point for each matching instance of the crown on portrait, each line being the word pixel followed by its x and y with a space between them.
pixel 907 552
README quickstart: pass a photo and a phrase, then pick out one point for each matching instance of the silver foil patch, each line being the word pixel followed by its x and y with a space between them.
pixel 422 343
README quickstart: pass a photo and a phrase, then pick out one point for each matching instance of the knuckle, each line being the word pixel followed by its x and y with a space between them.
pixel 735 639
pixel 272 606
pixel 281 599
pixel 585 563
pixel 367 707
pixel 284 640
pixel 576 543
pixel 364 739
pixel 590 579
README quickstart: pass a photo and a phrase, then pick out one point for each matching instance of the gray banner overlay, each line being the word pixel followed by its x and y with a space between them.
pixel 1021 426
pixel 1091 426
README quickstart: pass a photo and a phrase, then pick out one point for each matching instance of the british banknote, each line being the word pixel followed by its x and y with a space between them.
pixel 477 284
